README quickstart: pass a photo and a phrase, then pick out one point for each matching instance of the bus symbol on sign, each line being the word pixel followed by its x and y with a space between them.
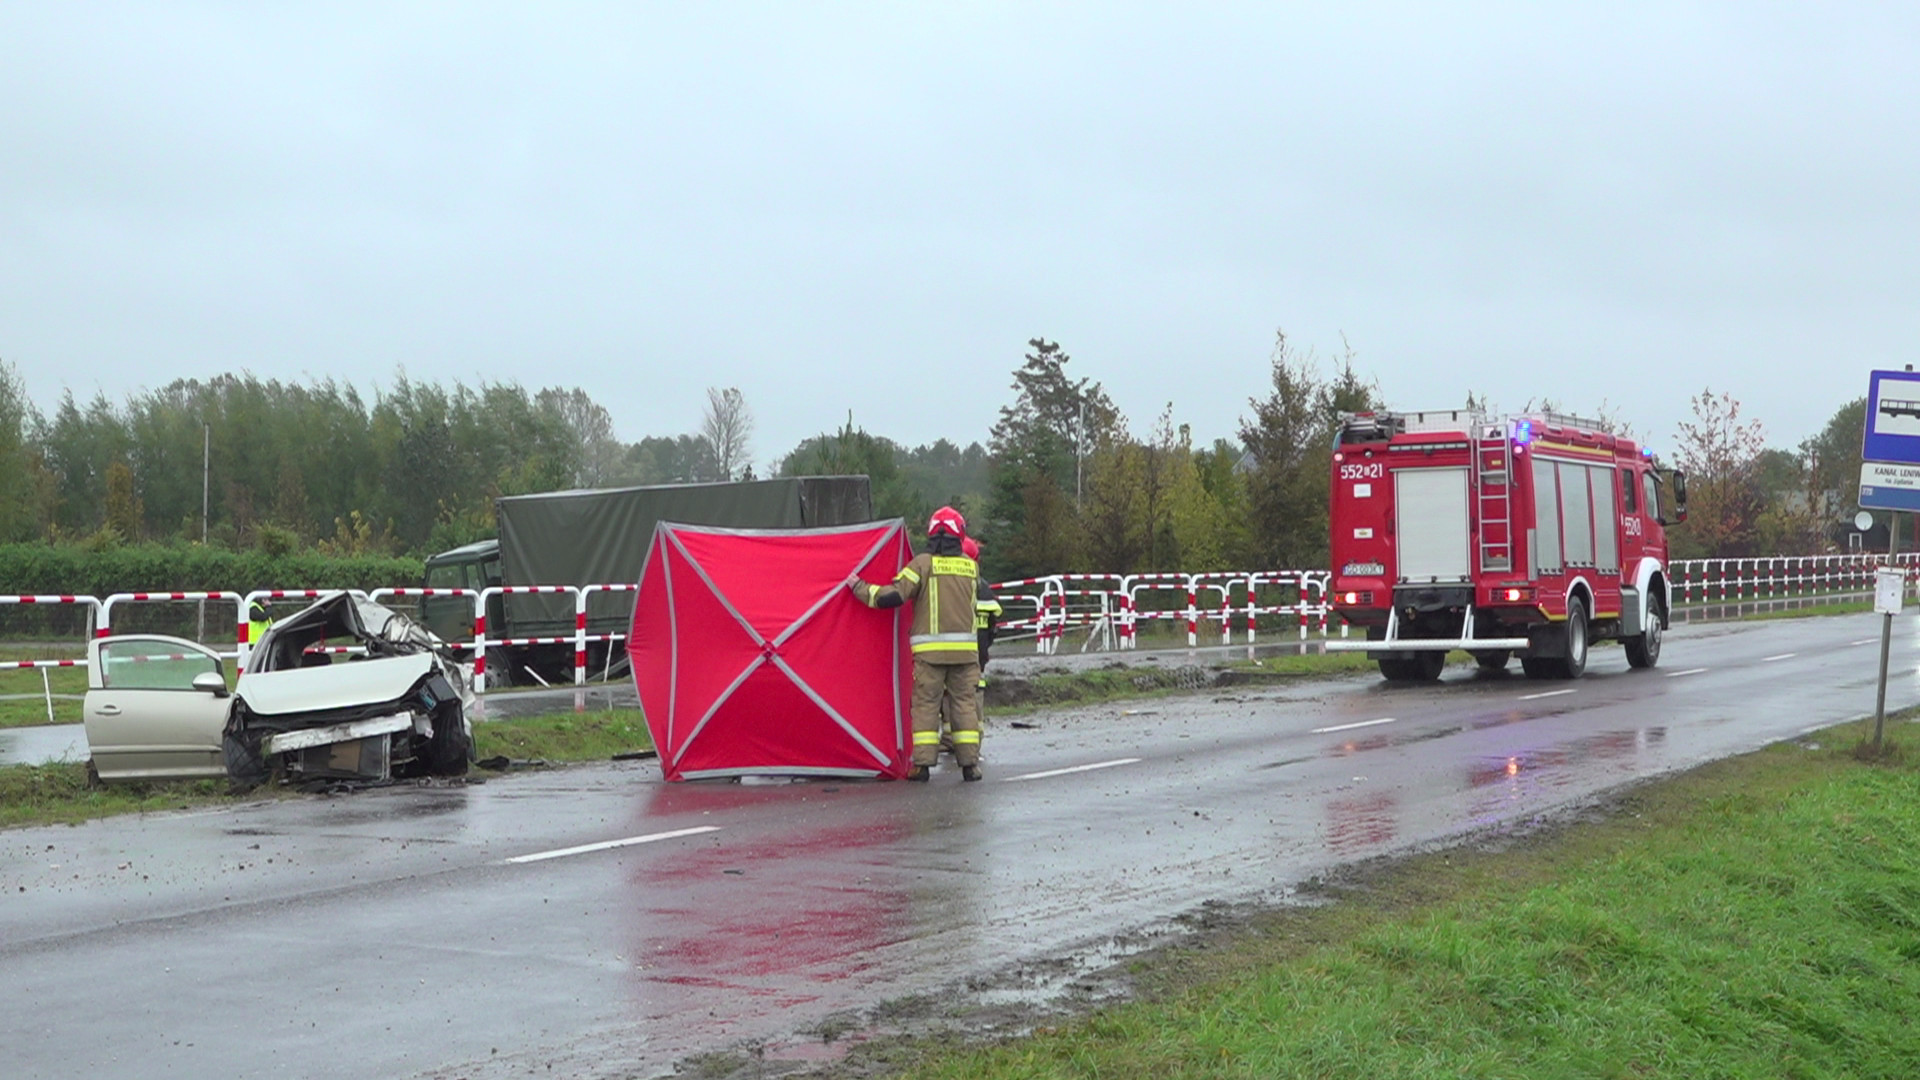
pixel 1893 420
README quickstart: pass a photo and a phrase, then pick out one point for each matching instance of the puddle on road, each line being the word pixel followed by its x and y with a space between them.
pixel 43 744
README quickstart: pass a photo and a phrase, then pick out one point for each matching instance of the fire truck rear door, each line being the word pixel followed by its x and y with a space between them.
pixel 1430 526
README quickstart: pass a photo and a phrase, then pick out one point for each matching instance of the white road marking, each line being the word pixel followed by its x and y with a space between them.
pixel 1782 656
pixel 1689 671
pixel 1350 727
pixel 1547 693
pixel 606 844
pixel 1863 641
pixel 1074 769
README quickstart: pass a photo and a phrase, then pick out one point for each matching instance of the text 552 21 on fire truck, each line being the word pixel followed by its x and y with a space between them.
pixel 1533 535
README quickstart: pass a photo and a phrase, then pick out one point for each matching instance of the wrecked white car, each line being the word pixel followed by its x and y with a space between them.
pixel 350 690
pixel 346 690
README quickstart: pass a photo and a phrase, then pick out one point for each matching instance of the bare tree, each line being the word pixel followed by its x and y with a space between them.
pixel 1720 453
pixel 726 426
pixel 591 429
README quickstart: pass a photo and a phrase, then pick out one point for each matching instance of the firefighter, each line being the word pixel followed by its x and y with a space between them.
pixel 986 616
pixel 946 651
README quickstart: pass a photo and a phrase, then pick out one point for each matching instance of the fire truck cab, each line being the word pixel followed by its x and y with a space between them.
pixel 1532 535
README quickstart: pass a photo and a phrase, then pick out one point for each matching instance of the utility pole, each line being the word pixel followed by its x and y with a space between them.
pixel 206 476
pixel 1079 450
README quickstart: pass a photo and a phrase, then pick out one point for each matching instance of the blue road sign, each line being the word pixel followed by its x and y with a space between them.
pixel 1893 418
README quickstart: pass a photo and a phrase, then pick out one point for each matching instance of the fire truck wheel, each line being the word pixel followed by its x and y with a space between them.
pixel 1539 667
pixel 1493 659
pixel 1430 665
pixel 1574 664
pixel 1398 671
pixel 1643 651
pixel 1424 667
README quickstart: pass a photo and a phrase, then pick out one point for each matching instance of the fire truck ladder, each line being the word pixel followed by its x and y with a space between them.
pixel 1493 490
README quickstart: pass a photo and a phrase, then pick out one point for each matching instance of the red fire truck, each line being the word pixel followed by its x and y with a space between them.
pixel 1533 535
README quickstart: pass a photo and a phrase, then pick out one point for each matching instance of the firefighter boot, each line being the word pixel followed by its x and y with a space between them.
pixel 920 774
pixel 969 772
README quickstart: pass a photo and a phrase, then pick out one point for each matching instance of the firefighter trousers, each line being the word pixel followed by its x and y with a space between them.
pixel 930 681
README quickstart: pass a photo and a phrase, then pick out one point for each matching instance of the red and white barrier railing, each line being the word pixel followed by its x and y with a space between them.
pixel 105 626
pixel 481 641
pixel 1112 606
pixel 1779 577
pixel 92 606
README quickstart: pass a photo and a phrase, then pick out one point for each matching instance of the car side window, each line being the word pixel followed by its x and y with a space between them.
pixel 145 664
pixel 1653 495
pixel 1629 492
pixel 447 576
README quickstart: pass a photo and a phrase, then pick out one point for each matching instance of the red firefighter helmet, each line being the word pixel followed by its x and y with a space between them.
pixel 970 548
pixel 947 520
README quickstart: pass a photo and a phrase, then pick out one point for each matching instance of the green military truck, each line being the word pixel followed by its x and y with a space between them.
pixel 599 537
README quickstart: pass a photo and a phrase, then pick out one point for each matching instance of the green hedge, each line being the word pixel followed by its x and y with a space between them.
pixel 71 568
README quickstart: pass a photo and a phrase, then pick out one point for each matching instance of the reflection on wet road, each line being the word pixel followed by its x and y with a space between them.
pixel 601 922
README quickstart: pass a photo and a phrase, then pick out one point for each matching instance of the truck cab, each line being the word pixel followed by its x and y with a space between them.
pixel 473 566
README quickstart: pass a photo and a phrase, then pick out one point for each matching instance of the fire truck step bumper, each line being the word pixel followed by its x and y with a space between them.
pixel 1430 645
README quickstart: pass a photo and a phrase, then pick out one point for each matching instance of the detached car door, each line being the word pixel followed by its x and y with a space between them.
pixel 145 719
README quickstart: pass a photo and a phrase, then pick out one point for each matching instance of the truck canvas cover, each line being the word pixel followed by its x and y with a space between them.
pixel 599 536
pixel 751 655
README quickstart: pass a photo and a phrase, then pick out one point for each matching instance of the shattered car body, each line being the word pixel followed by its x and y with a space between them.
pixel 348 689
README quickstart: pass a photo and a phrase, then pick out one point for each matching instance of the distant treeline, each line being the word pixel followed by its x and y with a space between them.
pixel 39 568
pixel 1064 482
pixel 314 466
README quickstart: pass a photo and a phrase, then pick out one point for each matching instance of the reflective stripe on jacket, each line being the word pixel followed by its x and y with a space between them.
pixel 941 588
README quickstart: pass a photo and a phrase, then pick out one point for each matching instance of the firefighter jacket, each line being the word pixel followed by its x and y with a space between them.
pixel 941 588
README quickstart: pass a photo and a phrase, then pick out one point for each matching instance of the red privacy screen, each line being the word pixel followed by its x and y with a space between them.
pixel 751 656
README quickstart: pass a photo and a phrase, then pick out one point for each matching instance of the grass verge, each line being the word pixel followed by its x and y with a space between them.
pixel 559 737
pixel 1758 917
pixel 23 699
pixel 58 794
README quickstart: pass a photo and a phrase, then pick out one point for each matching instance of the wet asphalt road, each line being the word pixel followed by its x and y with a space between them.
pixel 391 933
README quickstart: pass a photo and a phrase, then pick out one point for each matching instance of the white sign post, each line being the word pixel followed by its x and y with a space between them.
pixel 1889 592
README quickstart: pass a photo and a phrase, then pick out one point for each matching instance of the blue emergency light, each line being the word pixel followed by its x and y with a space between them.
pixel 1523 433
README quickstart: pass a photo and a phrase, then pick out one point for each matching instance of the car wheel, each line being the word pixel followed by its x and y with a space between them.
pixel 245 767
pixel 1429 665
pixel 449 750
pixel 1643 651
pixel 1493 659
pixel 1574 664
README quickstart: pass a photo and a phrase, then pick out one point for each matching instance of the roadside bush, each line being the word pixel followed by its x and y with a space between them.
pixel 100 571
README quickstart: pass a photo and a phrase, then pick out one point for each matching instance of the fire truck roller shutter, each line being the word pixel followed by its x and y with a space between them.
pixel 1432 534
pixel 1606 533
pixel 1576 514
pixel 1543 540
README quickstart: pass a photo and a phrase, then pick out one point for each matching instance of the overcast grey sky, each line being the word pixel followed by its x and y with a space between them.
pixel 874 206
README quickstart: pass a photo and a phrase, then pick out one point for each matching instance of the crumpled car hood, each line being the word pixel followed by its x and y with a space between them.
pixel 335 686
